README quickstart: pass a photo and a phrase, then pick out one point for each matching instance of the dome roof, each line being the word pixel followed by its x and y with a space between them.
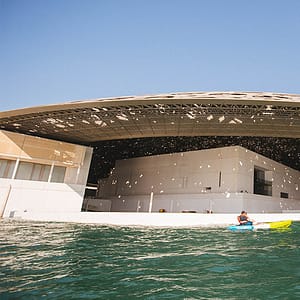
pixel 174 114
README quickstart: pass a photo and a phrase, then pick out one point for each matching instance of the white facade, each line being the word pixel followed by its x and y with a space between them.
pixel 39 175
pixel 222 180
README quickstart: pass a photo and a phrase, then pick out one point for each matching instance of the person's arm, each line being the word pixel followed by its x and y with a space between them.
pixel 251 220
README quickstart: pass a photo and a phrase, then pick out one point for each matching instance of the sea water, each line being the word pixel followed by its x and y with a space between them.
pixel 69 261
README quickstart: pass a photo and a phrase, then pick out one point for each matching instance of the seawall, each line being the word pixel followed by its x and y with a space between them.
pixel 151 219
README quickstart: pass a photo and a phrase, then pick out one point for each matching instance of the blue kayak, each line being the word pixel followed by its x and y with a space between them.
pixel 268 225
pixel 240 227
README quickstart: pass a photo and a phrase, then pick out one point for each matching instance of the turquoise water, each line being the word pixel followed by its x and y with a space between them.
pixel 67 261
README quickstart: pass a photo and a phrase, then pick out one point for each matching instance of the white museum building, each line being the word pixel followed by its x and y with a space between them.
pixel 220 180
pixel 39 175
pixel 43 179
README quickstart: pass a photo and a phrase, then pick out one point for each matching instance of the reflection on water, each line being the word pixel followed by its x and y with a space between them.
pixel 69 261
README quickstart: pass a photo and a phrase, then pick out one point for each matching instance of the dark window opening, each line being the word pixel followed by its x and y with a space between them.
pixel 284 195
pixel 262 186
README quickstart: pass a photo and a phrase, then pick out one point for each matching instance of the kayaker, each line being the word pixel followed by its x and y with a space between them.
pixel 244 219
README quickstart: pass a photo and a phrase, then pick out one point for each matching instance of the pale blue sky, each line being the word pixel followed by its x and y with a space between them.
pixel 53 51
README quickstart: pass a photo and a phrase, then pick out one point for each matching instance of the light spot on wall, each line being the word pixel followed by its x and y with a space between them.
pixel 238 120
pixel 221 119
pixel 122 117
pixel 95 116
pixel 49 120
pixel 191 115
pixel 100 123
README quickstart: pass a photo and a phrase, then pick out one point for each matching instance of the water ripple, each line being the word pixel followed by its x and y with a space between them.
pixel 69 261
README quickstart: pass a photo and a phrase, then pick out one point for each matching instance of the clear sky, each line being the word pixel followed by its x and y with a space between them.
pixel 53 51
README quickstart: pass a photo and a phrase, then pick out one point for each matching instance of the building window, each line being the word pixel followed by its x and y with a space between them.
pixel 262 186
pixel 31 171
pixel 24 170
pixel 40 172
pixel 58 174
pixel 6 168
pixel 284 195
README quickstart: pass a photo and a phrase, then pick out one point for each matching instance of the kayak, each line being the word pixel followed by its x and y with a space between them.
pixel 267 225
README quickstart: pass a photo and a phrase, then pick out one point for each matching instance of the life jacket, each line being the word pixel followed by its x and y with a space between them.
pixel 243 218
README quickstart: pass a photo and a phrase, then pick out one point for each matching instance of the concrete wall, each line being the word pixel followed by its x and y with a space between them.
pixel 189 172
pixel 175 203
pixel 284 179
pixel 216 203
pixel 96 204
pixel 220 179
pixel 18 195
pixel 33 196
